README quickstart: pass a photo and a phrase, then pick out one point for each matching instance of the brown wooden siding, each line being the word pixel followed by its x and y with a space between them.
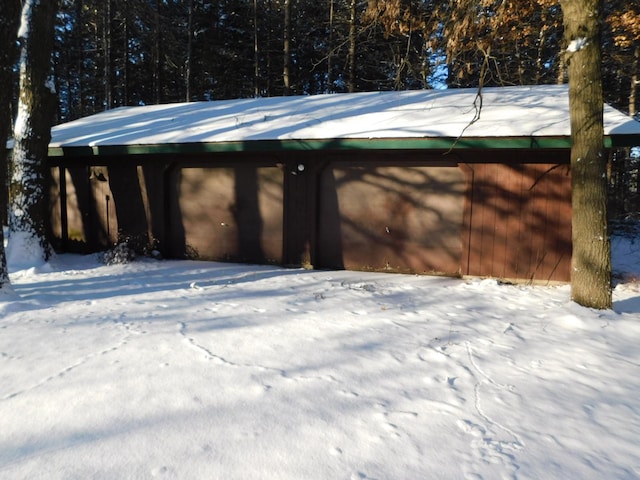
pixel 519 220
pixel 231 214
pixel 83 215
pixel 391 218
pixel 503 214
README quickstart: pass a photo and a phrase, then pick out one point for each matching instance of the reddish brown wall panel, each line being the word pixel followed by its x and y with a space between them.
pixel 520 226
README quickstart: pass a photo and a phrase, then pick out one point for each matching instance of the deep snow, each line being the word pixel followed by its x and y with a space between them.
pixel 194 370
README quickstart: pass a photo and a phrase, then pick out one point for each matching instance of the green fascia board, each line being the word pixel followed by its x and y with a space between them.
pixel 443 143
pixel 613 141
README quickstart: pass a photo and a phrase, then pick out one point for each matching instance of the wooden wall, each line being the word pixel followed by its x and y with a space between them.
pixel 404 218
pixel 503 214
pixel 228 214
pixel 518 219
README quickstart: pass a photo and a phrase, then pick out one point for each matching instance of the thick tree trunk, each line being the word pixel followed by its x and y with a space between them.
pixel 32 133
pixel 9 18
pixel 591 261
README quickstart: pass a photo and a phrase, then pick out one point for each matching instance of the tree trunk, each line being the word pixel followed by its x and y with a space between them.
pixel 635 80
pixel 269 43
pixel 36 107
pixel 106 48
pixel 330 49
pixel 542 38
pixel 9 19
pixel 591 260
pixel 157 56
pixel 256 52
pixel 189 59
pixel 286 72
pixel 352 46
pixel 125 56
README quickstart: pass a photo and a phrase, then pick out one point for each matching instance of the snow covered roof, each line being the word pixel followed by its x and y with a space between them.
pixel 510 117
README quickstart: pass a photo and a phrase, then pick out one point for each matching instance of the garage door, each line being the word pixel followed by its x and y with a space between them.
pixel 228 214
pixel 391 218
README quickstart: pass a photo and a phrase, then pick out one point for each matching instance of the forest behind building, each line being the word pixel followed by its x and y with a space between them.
pixel 110 53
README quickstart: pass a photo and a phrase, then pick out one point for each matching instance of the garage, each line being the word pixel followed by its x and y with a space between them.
pixel 383 181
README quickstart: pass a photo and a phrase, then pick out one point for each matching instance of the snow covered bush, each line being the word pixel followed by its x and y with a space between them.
pixel 128 248
pixel 119 254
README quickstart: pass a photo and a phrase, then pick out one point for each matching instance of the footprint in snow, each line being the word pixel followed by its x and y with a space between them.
pixel 335 451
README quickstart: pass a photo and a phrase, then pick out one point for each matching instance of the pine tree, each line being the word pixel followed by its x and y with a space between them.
pixel 9 17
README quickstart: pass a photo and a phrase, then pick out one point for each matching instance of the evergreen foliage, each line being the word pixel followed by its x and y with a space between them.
pixel 111 53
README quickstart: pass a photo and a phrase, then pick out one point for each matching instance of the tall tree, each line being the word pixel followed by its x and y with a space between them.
pixel 591 260
pixel 32 133
pixel 330 47
pixel 9 18
pixel 286 70
pixel 353 44
pixel 188 59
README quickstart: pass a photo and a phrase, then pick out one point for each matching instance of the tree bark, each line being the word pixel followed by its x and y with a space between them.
pixel 591 260
pixel 157 55
pixel 125 56
pixel 9 19
pixel 28 217
pixel 286 72
pixel 330 49
pixel 106 51
pixel 635 80
pixel 256 52
pixel 352 45
pixel 189 59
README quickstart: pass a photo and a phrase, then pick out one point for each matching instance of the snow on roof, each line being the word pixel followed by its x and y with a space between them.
pixel 531 111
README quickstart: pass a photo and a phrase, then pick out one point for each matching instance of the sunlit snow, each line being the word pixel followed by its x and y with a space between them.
pixel 533 111
pixel 577 44
pixel 194 370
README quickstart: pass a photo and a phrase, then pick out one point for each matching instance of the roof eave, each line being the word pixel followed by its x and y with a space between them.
pixel 440 143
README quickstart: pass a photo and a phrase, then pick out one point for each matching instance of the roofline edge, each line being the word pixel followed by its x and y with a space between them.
pixel 444 143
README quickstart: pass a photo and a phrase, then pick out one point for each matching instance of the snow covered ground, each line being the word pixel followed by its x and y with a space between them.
pixel 192 370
